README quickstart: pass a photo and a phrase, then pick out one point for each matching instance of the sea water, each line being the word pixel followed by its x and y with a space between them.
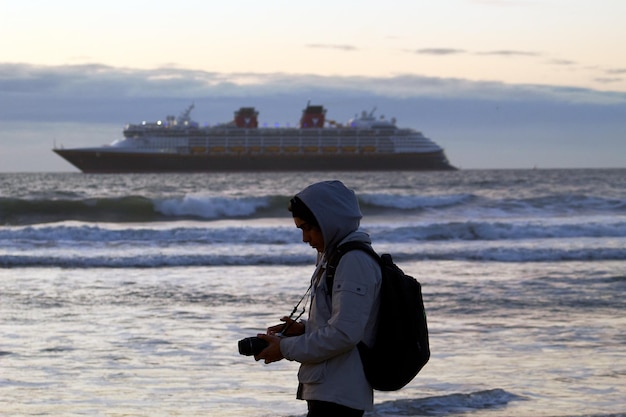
pixel 125 295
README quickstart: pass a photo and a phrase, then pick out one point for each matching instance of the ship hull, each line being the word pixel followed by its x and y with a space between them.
pixel 98 161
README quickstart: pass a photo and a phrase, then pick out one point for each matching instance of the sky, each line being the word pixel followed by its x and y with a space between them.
pixel 497 83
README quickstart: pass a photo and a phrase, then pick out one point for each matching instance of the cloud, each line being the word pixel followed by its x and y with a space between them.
pixel 607 80
pixel 439 51
pixel 329 46
pixel 564 62
pixel 505 2
pixel 101 93
pixel 101 81
pixel 509 53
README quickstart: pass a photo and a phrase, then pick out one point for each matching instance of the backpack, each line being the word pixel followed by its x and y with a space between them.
pixel 400 348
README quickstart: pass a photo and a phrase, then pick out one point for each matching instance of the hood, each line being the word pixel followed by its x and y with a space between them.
pixel 335 208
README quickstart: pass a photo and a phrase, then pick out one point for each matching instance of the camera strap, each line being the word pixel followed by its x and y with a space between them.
pixel 315 279
pixel 295 309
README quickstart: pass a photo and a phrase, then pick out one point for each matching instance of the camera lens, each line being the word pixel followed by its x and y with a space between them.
pixel 251 346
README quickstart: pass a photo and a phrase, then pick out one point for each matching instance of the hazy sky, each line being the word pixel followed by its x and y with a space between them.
pixel 513 74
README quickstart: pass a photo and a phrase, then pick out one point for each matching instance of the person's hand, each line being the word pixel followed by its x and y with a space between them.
pixel 272 352
pixel 293 328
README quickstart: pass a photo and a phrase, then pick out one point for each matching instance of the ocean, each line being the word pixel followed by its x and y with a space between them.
pixel 125 295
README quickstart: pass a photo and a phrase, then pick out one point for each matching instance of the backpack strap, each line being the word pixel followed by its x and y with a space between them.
pixel 341 250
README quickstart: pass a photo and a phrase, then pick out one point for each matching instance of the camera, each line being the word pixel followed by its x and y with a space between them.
pixel 251 346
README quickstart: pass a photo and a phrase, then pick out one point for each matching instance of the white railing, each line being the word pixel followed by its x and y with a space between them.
pixel 294 141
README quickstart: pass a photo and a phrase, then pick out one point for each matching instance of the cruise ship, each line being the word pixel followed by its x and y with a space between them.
pixel 178 144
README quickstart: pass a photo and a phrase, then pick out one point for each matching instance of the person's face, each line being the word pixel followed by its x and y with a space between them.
pixel 310 234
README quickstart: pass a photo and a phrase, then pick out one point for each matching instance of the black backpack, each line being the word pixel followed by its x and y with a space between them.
pixel 401 346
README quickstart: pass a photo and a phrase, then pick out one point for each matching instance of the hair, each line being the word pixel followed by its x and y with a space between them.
pixel 300 210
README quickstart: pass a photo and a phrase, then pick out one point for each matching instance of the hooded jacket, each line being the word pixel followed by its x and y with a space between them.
pixel 331 368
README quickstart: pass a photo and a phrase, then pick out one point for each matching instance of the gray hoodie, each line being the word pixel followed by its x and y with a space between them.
pixel 330 367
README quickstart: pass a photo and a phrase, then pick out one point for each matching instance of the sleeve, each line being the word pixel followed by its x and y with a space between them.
pixel 354 301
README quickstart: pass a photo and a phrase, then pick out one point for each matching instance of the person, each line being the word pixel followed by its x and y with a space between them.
pixel 331 377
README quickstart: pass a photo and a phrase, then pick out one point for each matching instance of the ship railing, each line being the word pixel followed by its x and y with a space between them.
pixel 319 141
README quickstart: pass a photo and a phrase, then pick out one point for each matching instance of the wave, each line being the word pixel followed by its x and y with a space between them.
pixel 520 254
pixel 500 230
pixel 191 206
pixel 137 208
pixel 206 207
pixel 150 260
pixel 459 404
pixel 231 255
pixel 452 404
pixel 128 209
pixel 15 211
pixel 412 202
pixel 77 232
pixel 549 204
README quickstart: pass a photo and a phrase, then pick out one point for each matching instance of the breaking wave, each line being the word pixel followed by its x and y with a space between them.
pixel 452 404
pixel 137 208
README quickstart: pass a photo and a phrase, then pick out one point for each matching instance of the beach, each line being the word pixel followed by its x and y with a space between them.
pixel 125 295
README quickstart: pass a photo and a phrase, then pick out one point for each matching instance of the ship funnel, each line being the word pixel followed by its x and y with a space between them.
pixel 246 117
pixel 313 117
